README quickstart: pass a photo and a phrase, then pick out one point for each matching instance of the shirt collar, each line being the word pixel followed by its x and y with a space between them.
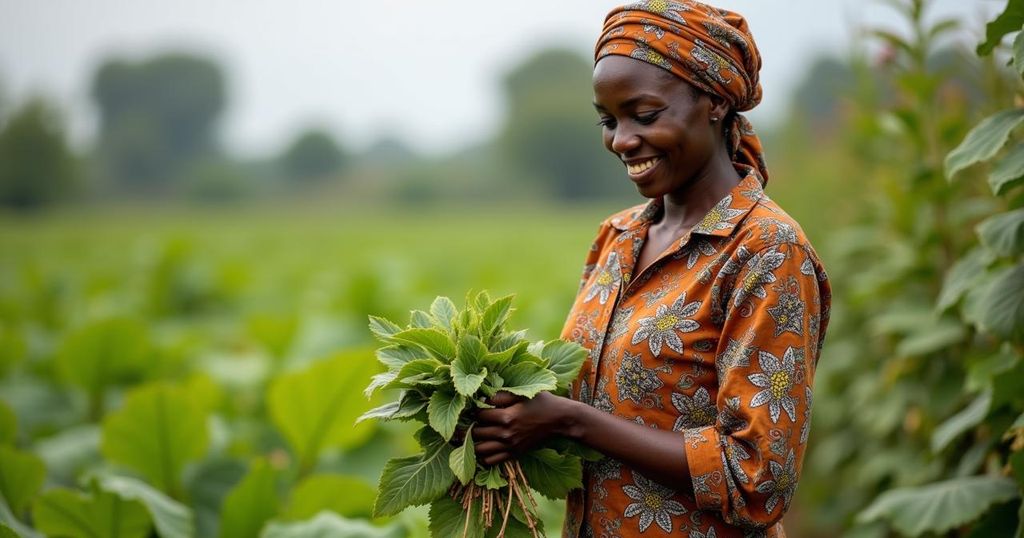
pixel 720 220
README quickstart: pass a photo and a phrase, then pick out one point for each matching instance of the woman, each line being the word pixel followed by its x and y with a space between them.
pixel 703 310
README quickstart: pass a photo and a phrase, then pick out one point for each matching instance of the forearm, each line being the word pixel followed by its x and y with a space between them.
pixel 657 454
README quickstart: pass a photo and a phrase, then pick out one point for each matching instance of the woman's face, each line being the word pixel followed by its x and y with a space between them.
pixel 656 124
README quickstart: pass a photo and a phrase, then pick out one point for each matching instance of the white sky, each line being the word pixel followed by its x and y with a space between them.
pixel 427 72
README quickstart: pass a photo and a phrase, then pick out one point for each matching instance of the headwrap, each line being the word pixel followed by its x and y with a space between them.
pixel 708 47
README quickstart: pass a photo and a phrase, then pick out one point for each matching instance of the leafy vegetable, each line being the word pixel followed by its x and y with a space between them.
pixel 446 363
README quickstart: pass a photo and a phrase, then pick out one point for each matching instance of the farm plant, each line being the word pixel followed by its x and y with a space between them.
pixel 918 403
pixel 445 364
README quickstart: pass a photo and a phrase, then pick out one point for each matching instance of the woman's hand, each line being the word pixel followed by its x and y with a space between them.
pixel 517 424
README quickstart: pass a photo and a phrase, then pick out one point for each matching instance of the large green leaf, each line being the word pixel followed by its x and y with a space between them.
pixel 67 513
pixel 21 476
pixel 941 506
pixel 969 417
pixel 1004 315
pixel 984 140
pixel 251 503
pixel 1003 233
pixel 7 518
pixel 415 480
pixel 552 474
pixel 328 525
pixel 315 408
pixel 444 410
pixel 102 354
pixel 7 532
pixel 564 359
pixel 1008 172
pixel 463 460
pixel 527 379
pixel 395 356
pixel 435 341
pixel 1010 20
pixel 931 338
pixel 172 519
pixel 158 429
pixel 320 492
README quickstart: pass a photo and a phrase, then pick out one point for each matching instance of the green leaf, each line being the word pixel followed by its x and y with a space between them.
pixel 21 476
pixel 463 460
pixel 1005 299
pixel 443 310
pixel 564 359
pixel 1018 53
pixel 8 519
pixel 984 140
pixel 208 484
pixel 414 372
pixel 103 354
pixel 316 407
pixel 396 356
pixel 497 361
pixel 496 315
pixel 383 412
pixel 1010 20
pixel 969 417
pixel 320 492
pixel 1008 172
pixel 981 373
pixel 8 425
pixel 436 342
pixel 172 519
pixel 940 335
pixel 1003 233
pixel 380 380
pixel 527 379
pixel 467 372
pixel 383 329
pixel 63 512
pixel 326 525
pixel 410 403
pixel 552 474
pixel 491 478
pixel 509 340
pixel 448 519
pixel 415 480
pixel 156 432
pixel 12 349
pixel 1017 464
pixel 7 532
pixel 444 410
pixel 421 319
pixel 940 506
pixel 967 272
pixel 251 503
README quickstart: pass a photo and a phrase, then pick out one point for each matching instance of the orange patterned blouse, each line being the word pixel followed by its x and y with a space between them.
pixel 718 340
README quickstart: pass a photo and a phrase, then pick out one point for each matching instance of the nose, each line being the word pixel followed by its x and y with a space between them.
pixel 624 140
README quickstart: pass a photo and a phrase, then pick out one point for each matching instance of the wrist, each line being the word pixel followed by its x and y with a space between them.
pixel 569 423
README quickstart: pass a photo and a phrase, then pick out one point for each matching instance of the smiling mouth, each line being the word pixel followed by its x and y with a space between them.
pixel 639 169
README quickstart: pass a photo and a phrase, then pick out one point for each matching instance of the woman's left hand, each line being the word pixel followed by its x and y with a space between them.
pixel 516 424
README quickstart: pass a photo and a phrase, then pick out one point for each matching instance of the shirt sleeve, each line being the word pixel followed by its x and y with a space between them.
pixel 746 466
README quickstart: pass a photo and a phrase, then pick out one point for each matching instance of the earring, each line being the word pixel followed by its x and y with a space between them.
pixel 714 119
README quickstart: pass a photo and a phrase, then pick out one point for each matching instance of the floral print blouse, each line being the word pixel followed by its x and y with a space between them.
pixel 718 340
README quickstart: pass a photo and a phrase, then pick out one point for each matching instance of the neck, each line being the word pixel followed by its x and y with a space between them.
pixel 685 208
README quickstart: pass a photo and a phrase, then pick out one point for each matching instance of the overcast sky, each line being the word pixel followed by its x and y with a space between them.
pixel 427 72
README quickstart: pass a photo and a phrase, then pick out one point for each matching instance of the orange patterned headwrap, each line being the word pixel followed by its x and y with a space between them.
pixel 708 47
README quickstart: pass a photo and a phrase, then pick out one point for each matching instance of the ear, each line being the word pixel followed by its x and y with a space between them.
pixel 719 107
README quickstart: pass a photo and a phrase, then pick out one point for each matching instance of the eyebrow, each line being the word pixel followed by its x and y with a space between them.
pixel 631 101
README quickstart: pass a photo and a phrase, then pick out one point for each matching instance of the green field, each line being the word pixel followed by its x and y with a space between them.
pixel 150 345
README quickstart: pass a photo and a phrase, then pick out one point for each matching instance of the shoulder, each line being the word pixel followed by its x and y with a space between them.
pixel 769 227
pixel 620 220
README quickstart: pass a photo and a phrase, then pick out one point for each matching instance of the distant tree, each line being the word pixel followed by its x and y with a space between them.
pixel 36 166
pixel 550 128
pixel 157 117
pixel 313 155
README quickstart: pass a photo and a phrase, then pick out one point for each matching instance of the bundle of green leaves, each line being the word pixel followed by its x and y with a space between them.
pixel 444 365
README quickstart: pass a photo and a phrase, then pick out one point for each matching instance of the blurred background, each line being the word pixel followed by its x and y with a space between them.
pixel 201 202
